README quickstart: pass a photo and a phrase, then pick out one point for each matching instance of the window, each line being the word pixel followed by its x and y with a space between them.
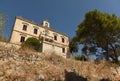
pixel 22 39
pixel 35 31
pixel 63 40
pixel 24 27
pixel 55 37
pixel 63 50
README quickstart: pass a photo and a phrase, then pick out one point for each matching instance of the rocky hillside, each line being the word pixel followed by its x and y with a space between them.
pixel 26 65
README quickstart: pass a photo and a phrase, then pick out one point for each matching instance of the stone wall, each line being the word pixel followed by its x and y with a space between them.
pixel 9 45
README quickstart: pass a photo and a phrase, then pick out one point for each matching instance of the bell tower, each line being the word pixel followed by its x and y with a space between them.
pixel 46 23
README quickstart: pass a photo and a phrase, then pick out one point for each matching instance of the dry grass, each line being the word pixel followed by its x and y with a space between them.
pixel 26 65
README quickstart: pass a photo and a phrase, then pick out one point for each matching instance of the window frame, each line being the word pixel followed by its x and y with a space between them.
pixel 35 31
pixel 63 50
pixel 55 37
pixel 22 39
pixel 63 40
pixel 24 27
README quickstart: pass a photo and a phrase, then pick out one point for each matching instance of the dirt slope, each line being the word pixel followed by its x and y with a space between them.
pixel 26 65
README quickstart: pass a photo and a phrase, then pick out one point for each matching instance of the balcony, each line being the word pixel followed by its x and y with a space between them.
pixel 46 38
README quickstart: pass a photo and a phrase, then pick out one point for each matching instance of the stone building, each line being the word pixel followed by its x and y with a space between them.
pixel 51 40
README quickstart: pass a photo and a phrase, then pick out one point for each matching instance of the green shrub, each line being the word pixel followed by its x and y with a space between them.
pixel 80 57
pixel 32 43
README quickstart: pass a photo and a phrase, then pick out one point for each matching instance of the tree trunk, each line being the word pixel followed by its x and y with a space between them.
pixel 115 53
pixel 116 58
pixel 107 53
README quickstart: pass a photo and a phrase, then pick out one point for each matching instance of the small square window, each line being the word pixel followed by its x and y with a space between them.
pixel 22 39
pixel 35 31
pixel 24 27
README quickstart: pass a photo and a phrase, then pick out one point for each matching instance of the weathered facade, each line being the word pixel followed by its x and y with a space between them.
pixel 51 40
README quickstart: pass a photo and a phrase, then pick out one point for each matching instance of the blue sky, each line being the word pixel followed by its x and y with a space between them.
pixel 64 15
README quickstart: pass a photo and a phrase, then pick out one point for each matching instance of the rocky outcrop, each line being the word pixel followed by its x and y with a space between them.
pixel 26 65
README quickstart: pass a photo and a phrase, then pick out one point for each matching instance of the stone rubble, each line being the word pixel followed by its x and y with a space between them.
pixel 19 65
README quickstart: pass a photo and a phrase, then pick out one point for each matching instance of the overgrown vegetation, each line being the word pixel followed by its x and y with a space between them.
pixel 31 43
